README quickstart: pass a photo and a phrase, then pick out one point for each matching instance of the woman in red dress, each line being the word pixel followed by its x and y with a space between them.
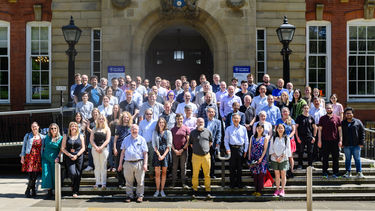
pixel 31 157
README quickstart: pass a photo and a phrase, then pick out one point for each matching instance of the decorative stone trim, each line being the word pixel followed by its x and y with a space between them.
pixel 38 12
pixel 189 8
pixel 319 12
pixel 369 7
pixel 235 4
pixel 121 4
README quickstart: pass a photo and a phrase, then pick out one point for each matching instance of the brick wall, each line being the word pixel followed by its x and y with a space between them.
pixel 339 13
pixel 18 14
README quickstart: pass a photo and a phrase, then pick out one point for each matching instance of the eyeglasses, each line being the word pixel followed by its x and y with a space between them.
pixel 157 81
pixel 148 114
pixel 53 128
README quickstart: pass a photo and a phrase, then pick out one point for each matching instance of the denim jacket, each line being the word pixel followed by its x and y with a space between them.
pixel 28 143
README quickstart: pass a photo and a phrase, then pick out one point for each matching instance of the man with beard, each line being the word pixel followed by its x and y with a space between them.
pixel 269 86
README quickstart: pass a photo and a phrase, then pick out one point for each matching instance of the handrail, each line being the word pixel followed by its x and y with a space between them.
pixel 369 130
pixel 36 111
pixel 219 155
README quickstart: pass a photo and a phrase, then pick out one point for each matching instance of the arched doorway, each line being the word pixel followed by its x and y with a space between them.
pixel 178 50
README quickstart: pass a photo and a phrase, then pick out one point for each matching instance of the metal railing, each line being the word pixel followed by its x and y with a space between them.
pixel 15 124
pixel 368 150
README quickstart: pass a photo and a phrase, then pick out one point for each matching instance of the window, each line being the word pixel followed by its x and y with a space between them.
pixel 261 65
pixel 4 62
pixel 318 56
pixel 96 52
pixel 361 56
pixel 38 61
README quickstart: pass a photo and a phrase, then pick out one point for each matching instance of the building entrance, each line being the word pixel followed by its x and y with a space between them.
pixel 176 51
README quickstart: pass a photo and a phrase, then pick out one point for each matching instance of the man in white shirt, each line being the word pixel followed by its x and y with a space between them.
pixel 181 106
pixel 227 102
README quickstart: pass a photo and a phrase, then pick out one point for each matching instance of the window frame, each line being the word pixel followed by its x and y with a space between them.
pixel 356 22
pixel 29 25
pixel 328 54
pixel 259 80
pixel 7 25
pixel 92 52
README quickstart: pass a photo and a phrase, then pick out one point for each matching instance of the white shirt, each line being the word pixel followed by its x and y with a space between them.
pixel 106 111
pixel 277 146
pixel 113 101
pixel 181 108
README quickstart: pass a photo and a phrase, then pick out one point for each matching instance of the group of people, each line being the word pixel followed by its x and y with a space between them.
pixel 130 128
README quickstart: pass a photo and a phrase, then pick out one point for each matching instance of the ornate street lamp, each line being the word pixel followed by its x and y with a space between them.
pixel 71 35
pixel 285 34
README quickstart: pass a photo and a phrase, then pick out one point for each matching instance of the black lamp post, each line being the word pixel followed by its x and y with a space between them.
pixel 285 34
pixel 71 35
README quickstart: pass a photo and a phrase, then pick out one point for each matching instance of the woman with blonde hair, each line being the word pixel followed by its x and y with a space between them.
pixel 99 139
pixel 50 156
pixel 122 130
pixel 290 129
pixel 73 146
pixel 284 101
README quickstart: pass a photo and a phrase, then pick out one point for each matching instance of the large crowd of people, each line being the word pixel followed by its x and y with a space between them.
pixel 135 130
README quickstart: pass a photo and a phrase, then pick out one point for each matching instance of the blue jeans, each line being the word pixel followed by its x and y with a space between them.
pixel 110 155
pixel 354 151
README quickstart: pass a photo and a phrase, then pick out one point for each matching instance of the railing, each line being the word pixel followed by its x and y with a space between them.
pixel 15 124
pixel 368 150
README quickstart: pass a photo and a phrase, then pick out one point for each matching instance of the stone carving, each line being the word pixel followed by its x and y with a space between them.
pixel 122 4
pixel 171 8
pixel 235 4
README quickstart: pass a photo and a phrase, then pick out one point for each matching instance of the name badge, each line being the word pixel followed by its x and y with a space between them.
pixel 72 150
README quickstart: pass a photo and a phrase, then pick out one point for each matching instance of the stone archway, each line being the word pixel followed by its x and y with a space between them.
pixel 154 23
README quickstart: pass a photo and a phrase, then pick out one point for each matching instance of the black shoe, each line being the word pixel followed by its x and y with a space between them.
pixel 27 192
pixel 49 194
pixel 194 194
pixel 208 196
pixel 33 192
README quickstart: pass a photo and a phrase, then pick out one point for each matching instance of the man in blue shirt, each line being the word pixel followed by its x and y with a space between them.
pixel 252 86
pixel 134 162
pixel 213 125
pixel 272 111
pixel 236 143
pixel 279 89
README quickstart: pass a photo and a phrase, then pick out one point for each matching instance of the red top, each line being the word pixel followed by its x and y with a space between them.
pixel 180 136
pixel 330 127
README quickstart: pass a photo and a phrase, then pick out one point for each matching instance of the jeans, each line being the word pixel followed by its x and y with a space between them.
pixel 110 154
pixel 354 151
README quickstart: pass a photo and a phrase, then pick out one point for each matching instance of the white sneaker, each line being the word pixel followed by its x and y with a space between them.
pixel 347 174
pixel 360 175
pixel 88 168
pixel 156 194
pixel 162 194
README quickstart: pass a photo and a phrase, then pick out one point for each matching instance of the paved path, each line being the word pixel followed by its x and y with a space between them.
pixel 12 198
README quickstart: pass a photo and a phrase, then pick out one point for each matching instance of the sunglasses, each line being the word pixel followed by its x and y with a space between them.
pixel 53 128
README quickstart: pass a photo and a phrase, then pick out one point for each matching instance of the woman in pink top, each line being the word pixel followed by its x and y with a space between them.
pixel 337 107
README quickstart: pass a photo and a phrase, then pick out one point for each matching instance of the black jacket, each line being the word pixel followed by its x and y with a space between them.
pixel 358 132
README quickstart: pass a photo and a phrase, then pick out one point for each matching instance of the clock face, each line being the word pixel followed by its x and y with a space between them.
pixel 179 3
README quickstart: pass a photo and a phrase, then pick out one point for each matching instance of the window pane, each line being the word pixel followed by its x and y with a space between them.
pixel 362 46
pixel 96 45
pixel 261 67
pixel 96 66
pixel 4 92
pixel 322 88
pixel 43 33
pixel 3 50
pixel 321 75
pixel 370 88
pixel 3 33
pixel 371 32
pixel 312 75
pixel 353 88
pixel 34 33
pixel 34 47
pixel 96 34
pixel 3 63
pixel 96 56
pixel 313 32
pixel 370 60
pixel 353 45
pixel 312 61
pixel 35 78
pixel 352 73
pixel 361 60
pixel 45 63
pixel 322 32
pixel 322 46
pixel 36 92
pixel 260 56
pixel 313 47
pixel 260 45
pixel 362 32
pixel 370 73
pixel 353 32
pixel 35 63
pixel 44 47
pixel 352 60
pixel 260 34
pixel 322 61
pixel 4 78
pixel 361 73
pixel 371 46
pixel 45 78
pixel 45 92
pixel 361 87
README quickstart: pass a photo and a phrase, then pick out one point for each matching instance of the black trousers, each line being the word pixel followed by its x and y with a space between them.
pixel 212 154
pixel 330 147
pixel 74 168
pixel 258 182
pixel 301 148
pixel 120 175
pixel 317 153
pixel 235 166
pixel 32 176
